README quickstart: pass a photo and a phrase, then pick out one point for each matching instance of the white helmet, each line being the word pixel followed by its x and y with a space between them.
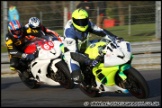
pixel 34 22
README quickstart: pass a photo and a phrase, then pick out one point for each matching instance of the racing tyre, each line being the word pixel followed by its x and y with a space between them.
pixel 64 73
pixel 32 84
pixel 138 86
pixel 89 92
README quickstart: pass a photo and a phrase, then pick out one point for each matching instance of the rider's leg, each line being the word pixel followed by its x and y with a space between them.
pixel 14 63
pixel 76 75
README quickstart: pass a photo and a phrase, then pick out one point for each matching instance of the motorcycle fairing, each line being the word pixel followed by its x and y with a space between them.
pixel 93 49
pixel 119 55
pixel 30 49
pixel 46 45
pixel 105 75
pixel 49 50
pixel 122 69
pixel 39 71
pixel 120 52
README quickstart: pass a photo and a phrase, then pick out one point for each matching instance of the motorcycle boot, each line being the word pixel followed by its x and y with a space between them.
pixel 12 68
pixel 93 82
pixel 89 79
pixel 89 82
pixel 77 76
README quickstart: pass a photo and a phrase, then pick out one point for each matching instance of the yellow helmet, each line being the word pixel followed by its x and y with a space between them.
pixel 80 19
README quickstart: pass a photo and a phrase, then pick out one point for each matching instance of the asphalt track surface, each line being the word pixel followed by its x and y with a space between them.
pixel 15 94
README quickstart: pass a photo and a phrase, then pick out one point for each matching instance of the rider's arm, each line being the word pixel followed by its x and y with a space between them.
pixel 79 57
pixel 70 45
pixel 48 31
pixel 11 48
pixel 101 32
pixel 83 59
pixel 31 33
pixel 70 42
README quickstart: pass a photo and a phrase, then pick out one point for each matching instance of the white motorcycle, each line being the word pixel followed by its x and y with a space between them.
pixel 48 67
pixel 114 73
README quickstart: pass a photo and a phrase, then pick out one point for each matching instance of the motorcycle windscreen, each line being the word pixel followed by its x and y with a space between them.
pixel 30 49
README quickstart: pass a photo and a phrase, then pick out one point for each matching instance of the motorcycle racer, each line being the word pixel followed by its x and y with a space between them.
pixel 76 33
pixel 34 26
pixel 15 40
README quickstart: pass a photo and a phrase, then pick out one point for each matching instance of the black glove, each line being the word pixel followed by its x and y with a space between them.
pixel 28 57
pixel 93 63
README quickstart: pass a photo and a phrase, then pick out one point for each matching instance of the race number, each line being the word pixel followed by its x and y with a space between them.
pixel 48 46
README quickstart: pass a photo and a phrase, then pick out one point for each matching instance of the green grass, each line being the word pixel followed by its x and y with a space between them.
pixel 139 33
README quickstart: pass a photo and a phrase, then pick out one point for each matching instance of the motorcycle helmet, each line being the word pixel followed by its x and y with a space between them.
pixel 80 19
pixel 15 28
pixel 34 22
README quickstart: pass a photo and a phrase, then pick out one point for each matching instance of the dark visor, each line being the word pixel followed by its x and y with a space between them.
pixel 16 32
pixel 81 22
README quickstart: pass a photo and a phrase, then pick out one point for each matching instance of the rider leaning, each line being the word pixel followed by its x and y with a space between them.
pixel 15 40
pixel 34 26
pixel 76 32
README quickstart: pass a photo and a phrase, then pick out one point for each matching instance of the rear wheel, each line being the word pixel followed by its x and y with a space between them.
pixel 28 81
pixel 136 83
pixel 64 74
pixel 87 73
pixel 89 92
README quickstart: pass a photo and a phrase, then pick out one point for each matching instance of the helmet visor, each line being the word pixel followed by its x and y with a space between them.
pixel 16 32
pixel 81 22
pixel 34 27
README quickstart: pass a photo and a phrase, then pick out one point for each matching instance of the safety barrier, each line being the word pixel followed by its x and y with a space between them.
pixel 147 55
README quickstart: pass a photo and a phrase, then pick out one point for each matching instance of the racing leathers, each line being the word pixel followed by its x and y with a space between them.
pixel 44 29
pixel 15 49
pixel 16 46
pixel 74 40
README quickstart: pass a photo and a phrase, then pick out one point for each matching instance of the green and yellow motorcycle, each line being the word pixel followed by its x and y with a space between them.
pixel 114 73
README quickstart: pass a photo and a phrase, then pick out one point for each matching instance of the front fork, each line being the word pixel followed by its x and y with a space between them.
pixel 123 76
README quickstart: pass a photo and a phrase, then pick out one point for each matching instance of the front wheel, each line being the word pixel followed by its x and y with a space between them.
pixel 137 85
pixel 64 74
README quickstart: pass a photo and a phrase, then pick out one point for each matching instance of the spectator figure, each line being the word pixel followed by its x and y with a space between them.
pixel 101 5
pixel 13 13
pixel 88 6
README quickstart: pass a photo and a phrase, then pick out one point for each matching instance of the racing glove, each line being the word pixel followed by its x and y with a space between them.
pixel 92 63
pixel 28 57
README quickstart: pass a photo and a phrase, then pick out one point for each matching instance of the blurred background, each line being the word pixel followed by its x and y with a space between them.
pixel 123 18
pixel 135 21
